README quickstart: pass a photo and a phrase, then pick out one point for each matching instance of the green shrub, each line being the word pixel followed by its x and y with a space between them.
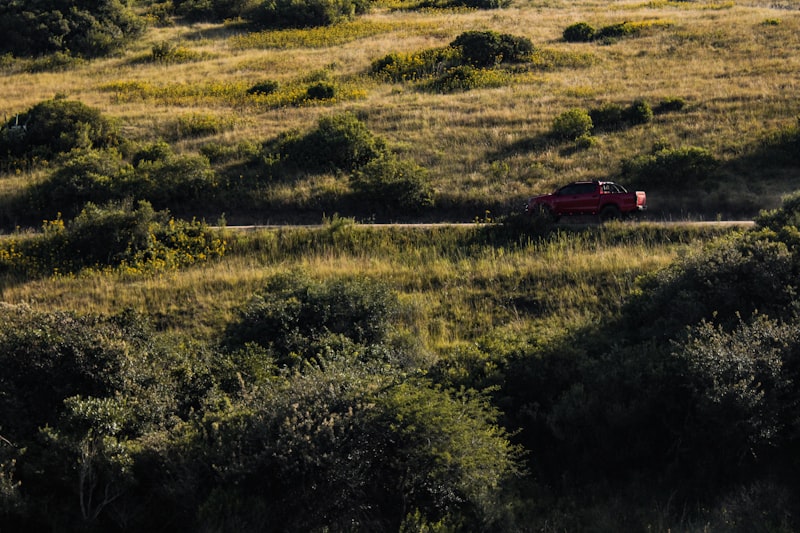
pixel 412 67
pixel 157 175
pixel 609 116
pixel 740 384
pixel 171 179
pixel 639 112
pixel 340 142
pixel 115 235
pixel 55 127
pixel 264 87
pixel 80 27
pixel 322 90
pixel 85 176
pixel 389 184
pixel 481 4
pixel 294 316
pixel 216 10
pixel 308 13
pixel 669 167
pixel 572 124
pixel 169 53
pixel 489 48
pixel 580 32
pixel 615 31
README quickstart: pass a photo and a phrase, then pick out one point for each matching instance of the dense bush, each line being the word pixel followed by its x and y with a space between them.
pixel 691 387
pixel 411 67
pixel 572 124
pixel 391 185
pixel 308 13
pixel 489 48
pixel 321 90
pixel 579 32
pixel 217 10
pixel 294 316
pixel 85 176
pixel 669 167
pixel 264 87
pixel 611 116
pixel 112 236
pixel 156 174
pixel 583 32
pixel 80 27
pixel 339 142
pixel 55 127
pixel 615 31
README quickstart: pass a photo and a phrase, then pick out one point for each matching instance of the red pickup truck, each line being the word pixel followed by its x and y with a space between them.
pixel 603 198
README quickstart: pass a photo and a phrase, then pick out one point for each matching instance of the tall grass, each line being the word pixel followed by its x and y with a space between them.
pixel 457 284
pixel 485 148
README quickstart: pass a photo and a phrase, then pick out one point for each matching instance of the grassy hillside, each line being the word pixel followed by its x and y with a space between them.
pixel 162 372
pixel 731 67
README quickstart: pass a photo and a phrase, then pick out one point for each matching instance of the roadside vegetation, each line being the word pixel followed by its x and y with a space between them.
pixel 165 371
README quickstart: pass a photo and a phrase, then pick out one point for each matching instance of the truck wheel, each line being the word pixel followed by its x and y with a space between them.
pixel 610 212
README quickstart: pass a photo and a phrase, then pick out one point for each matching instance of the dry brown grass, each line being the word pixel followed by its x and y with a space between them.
pixel 737 73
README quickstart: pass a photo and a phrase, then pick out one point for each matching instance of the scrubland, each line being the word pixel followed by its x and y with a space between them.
pixel 166 370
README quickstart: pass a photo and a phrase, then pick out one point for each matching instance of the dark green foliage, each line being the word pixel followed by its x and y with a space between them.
pixel 80 27
pixel 611 116
pixel 55 127
pixel 80 391
pixel 156 174
pixel 615 31
pixel 340 142
pixel 85 176
pixel 583 32
pixel 742 383
pixel 389 184
pixel 489 48
pixel 351 446
pixel 321 90
pixel 47 358
pixel 725 281
pixel 412 67
pixel 308 13
pixel 639 112
pixel 264 87
pixel 607 117
pixel 478 4
pixel 214 11
pixel 572 124
pixel 111 236
pixel 670 167
pixel 293 316
pixel 783 219
pixel 580 32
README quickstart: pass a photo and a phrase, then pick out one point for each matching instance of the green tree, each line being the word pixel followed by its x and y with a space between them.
pixel 81 27
pixel 56 127
pixel 392 185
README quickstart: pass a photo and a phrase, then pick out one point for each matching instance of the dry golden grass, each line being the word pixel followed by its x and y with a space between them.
pixel 734 63
pixel 454 291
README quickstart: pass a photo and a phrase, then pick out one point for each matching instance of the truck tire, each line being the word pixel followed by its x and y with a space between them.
pixel 610 212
